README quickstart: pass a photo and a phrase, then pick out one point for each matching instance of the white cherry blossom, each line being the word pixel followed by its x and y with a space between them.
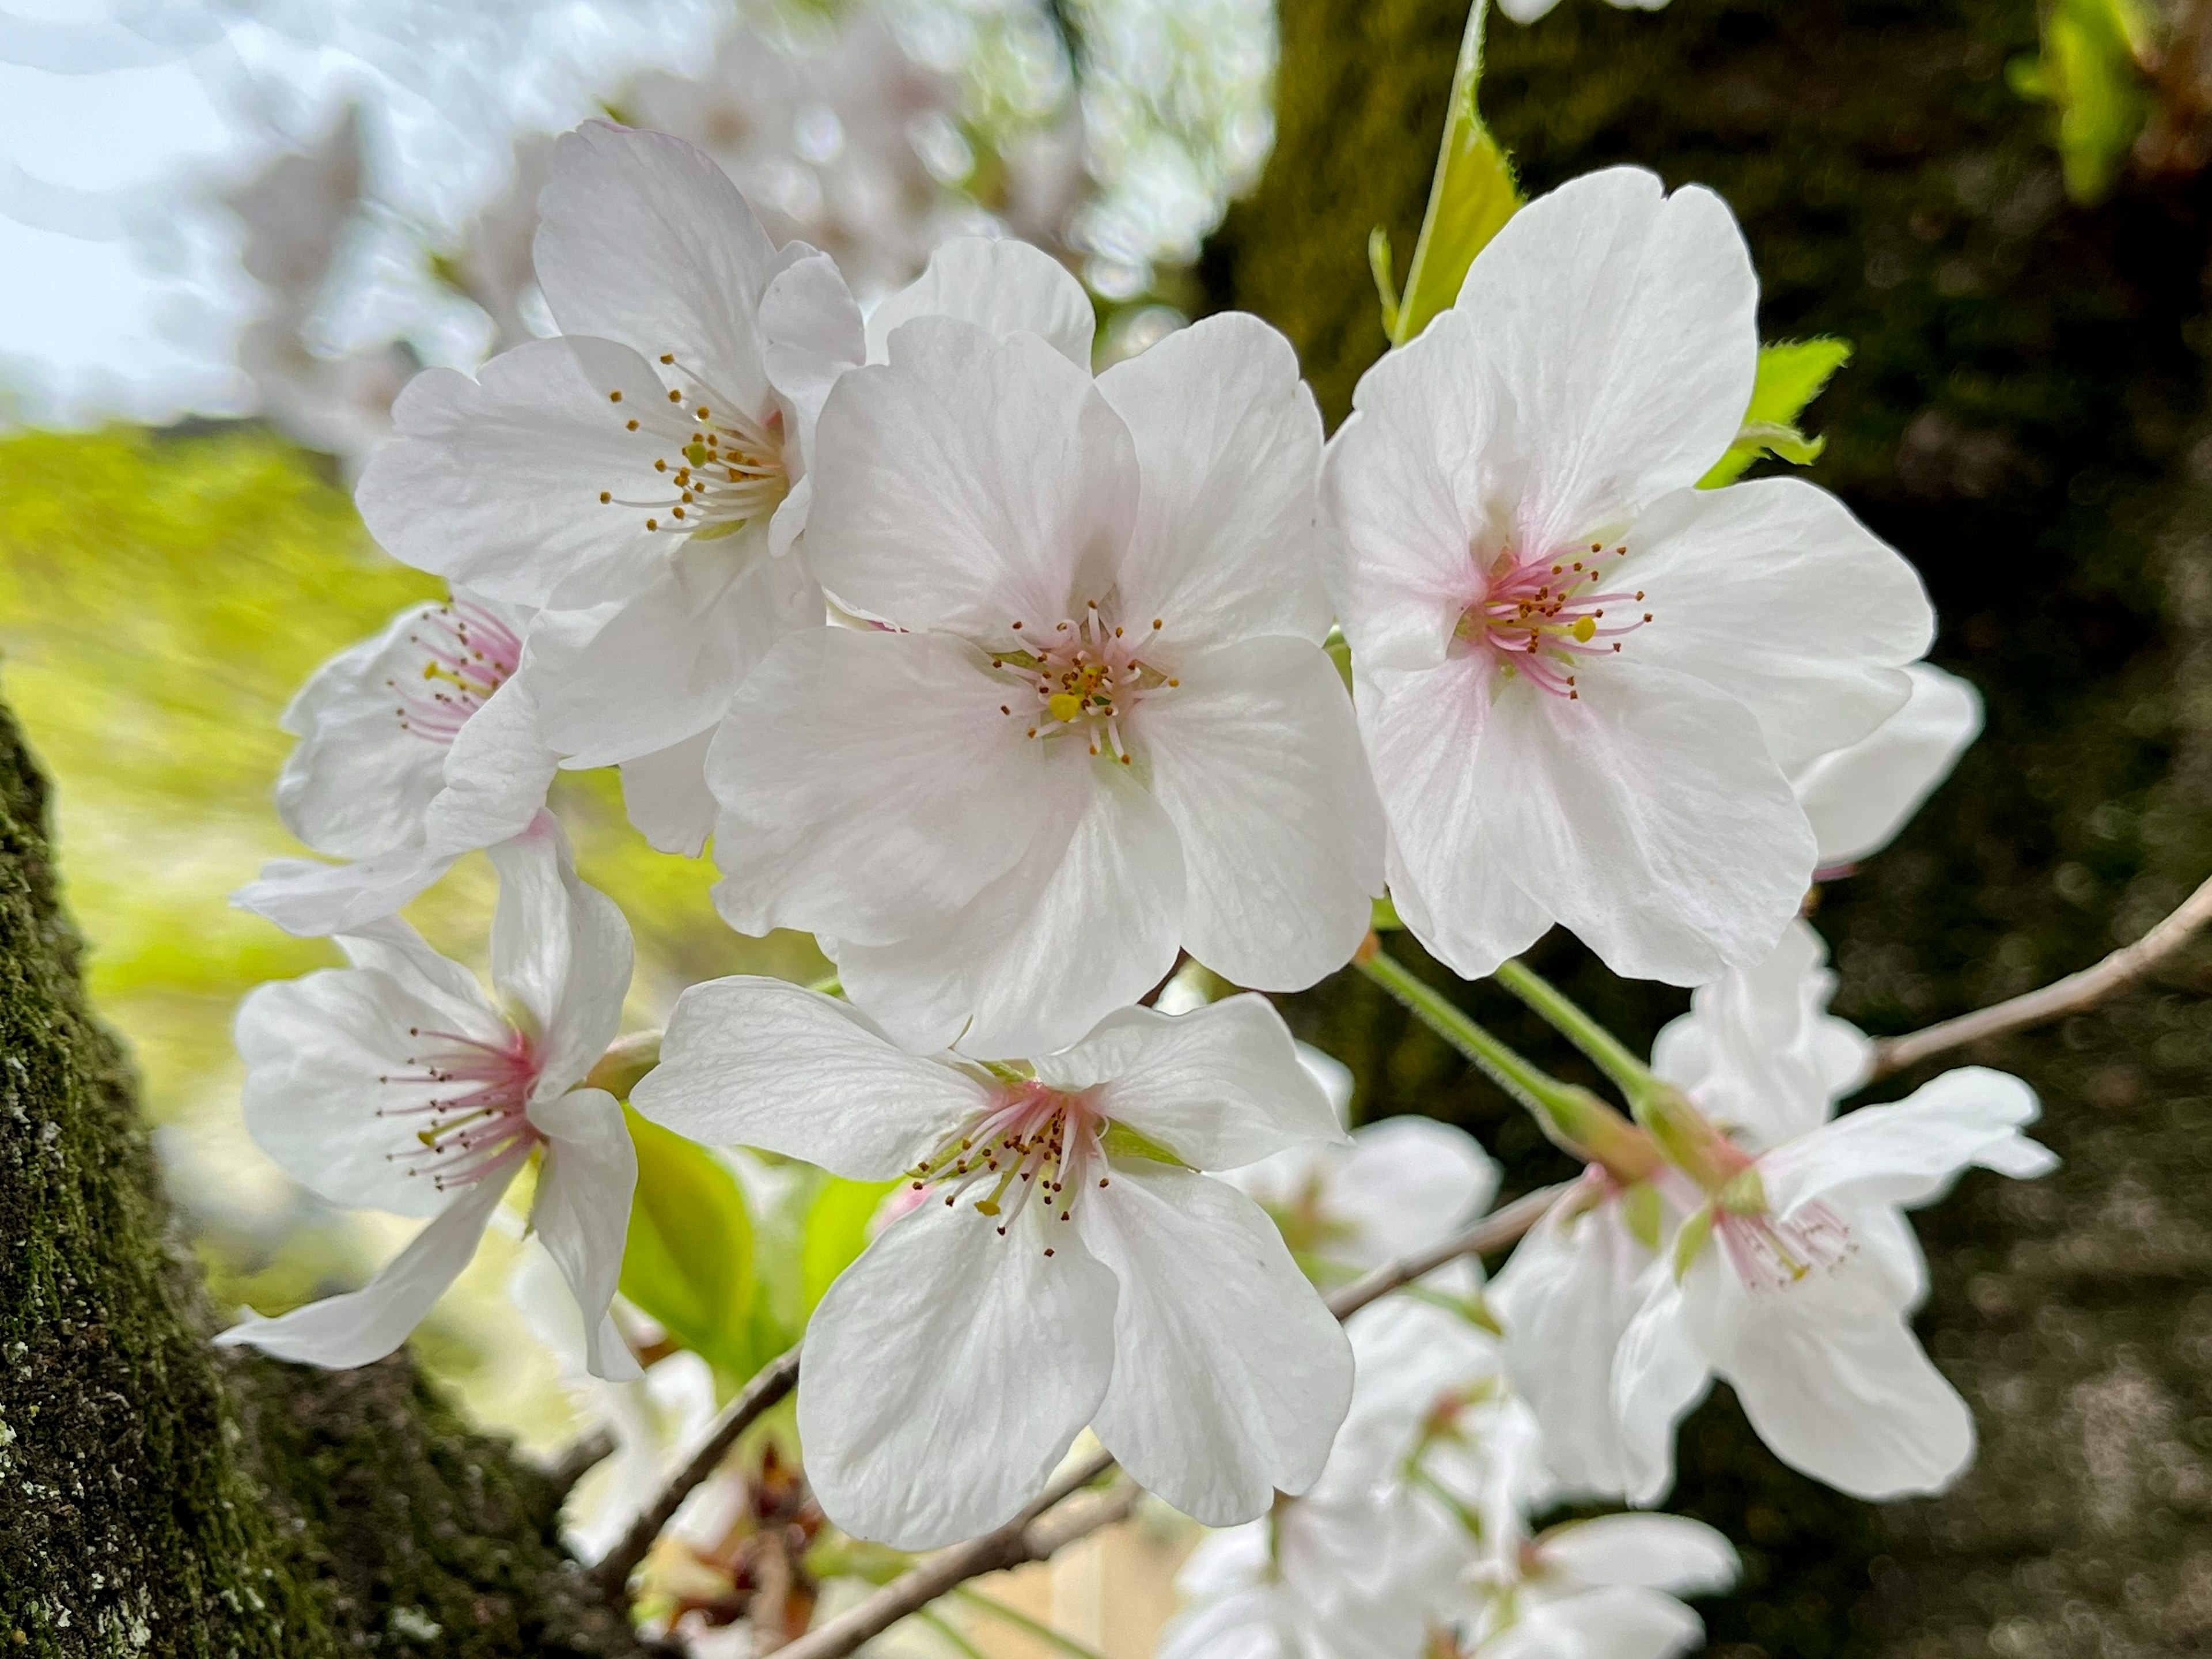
pixel 1605 1589
pixel 627 475
pixel 1065 1263
pixel 397 1084
pixel 1365 1564
pixel 1087 719
pixel 1584 683
pixel 415 746
pixel 1794 1285
pixel 1859 798
pixel 1403 1185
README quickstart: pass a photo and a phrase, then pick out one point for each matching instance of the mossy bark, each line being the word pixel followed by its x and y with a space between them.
pixel 158 1499
pixel 2025 417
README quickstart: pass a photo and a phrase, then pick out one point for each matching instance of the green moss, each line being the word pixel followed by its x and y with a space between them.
pixel 158 1500
pixel 2025 417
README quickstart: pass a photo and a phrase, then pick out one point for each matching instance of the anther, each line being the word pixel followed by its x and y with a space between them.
pixel 630 425
pixel 667 356
pixel 675 396
pixel 614 396
pixel 605 496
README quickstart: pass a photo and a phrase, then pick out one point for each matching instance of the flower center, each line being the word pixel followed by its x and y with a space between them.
pixel 479 1123
pixel 723 467
pixel 1772 1255
pixel 1081 675
pixel 467 654
pixel 1037 1144
pixel 1541 616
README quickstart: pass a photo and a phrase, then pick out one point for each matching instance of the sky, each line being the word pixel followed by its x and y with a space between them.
pixel 122 120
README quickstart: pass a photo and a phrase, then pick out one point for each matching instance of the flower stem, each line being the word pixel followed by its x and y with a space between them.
pixel 1569 1114
pixel 1606 1051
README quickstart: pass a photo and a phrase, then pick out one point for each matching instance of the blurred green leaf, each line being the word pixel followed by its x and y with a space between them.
pixel 2093 69
pixel 1790 375
pixel 689 1261
pixel 1470 199
pixel 837 1231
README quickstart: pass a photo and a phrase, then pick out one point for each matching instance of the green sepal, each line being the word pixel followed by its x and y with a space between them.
pixel 1690 1240
pixel 1641 1212
pixel 1792 373
pixel 1121 1141
pixel 689 1259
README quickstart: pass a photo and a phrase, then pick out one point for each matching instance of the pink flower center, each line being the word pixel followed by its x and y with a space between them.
pixel 1080 676
pixel 1772 1255
pixel 1036 1145
pixel 479 1123
pixel 723 468
pixel 1541 616
pixel 468 653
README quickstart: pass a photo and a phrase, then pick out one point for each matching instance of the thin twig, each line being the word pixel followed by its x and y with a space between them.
pixel 768 1385
pixel 1494 1231
pixel 2067 996
pixel 1043 1528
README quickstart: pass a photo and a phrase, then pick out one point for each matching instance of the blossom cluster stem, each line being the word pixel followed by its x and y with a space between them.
pixel 1569 1115
pixel 1604 1050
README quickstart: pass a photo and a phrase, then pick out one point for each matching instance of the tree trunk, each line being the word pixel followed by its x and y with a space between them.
pixel 2025 417
pixel 158 1498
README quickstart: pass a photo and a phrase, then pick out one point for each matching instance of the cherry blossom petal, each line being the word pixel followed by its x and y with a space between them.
pixel 1083 924
pixel 969 483
pixel 311 900
pixel 1618 1622
pixel 1455 890
pixel 1758 1051
pixel 1230 1377
pixel 998 1354
pixel 561 951
pixel 1833 1380
pixel 1410 484
pixel 496 774
pixel 1669 1553
pixel 642 239
pixel 1566 1294
pixel 764 1063
pixel 1257 759
pixel 628 680
pixel 1408 1183
pixel 1621 321
pixel 1242 1625
pixel 1910 1153
pixel 1860 797
pixel 343 1331
pixel 495 483
pixel 870 786
pixel 1662 1369
pixel 581 1212
pixel 811 332
pixel 1219 1086
pixel 1772 593
pixel 1003 287
pixel 1229 441
pixel 665 794
pixel 394 949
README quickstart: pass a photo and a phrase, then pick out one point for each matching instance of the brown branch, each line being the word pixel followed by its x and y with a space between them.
pixel 2070 995
pixel 768 1385
pixel 1042 1529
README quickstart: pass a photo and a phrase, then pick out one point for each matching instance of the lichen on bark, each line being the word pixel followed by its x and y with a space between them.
pixel 157 1498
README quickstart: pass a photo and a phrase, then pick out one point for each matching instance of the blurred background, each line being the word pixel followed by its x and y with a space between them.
pixel 230 230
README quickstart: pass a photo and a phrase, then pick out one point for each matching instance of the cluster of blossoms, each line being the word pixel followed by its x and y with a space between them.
pixel 1012 684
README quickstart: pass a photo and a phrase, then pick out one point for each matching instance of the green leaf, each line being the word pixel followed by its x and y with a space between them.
pixel 1790 375
pixel 689 1261
pixel 1470 199
pixel 2093 69
pixel 836 1231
